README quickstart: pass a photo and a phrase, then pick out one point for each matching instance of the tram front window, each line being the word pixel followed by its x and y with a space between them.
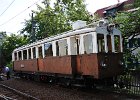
pixel 100 42
pixel 109 43
pixel 117 43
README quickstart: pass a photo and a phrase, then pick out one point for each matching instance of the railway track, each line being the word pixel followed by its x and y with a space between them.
pixel 43 91
pixel 8 93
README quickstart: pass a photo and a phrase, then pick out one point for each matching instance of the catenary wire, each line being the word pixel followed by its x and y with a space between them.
pixel 19 13
pixel 7 8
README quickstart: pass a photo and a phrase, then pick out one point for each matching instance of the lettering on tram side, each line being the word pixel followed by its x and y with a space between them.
pixel 22 65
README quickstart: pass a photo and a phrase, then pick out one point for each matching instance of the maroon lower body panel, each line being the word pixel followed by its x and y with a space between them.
pixel 61 65
pixel 91 65
pixel 113 66
pixel 26 65
pixel 84 65
pixel 87 64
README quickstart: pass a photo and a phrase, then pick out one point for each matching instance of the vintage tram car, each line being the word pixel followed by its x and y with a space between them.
pixel 90 52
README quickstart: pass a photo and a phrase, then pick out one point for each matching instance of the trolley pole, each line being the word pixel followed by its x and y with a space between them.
pixel 0 57
pixel 33 38
pixel 1 37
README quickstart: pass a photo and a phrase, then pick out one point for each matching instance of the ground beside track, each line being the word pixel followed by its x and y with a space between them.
pixel 45 91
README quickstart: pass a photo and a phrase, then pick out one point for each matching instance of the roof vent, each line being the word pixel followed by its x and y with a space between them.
pixel 78 24
pixel 103 22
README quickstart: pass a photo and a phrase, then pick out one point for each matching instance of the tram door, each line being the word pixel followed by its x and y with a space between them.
pixel 109 57
pixel 101 43
pixel 75 43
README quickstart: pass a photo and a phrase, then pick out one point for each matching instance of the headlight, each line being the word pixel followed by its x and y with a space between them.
pixel 103 64
pixel 121 63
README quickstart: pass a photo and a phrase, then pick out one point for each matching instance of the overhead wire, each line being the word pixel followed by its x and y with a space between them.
pixel 7 8
pixel 19 13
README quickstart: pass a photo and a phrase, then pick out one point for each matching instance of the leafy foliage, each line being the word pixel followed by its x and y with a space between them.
pixel 137 3
pixel 9 44
pixel 55 20
pixel 3 34
pixel 129 23
pixel 130 26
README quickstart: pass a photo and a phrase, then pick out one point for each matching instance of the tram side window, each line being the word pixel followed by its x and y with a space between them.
pixel 15 55
pixel 40 52
pixel 24 54
pixel 117 43
pixel 63 49
pixel 100 42
pixel 88 45
pixel 74 45
pixel 19 55
pixel 29 50
pixel 109 43
pixel 57 49
pixel 34 52
pixel 48 49
pixel 78 44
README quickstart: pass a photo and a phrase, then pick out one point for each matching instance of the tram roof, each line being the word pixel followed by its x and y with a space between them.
pixel 88 28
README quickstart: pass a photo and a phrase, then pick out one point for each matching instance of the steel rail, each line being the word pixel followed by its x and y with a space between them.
pixel 6 97
pixel 18 92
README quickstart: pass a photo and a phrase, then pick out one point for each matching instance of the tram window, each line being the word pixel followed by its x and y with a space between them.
pixel 19 55
pixel 57 49
pixel 117 43
pixel 77 43
pixel 24 54
pixel 34 52
pixel 100 42
pixel 88 45
pixel 15 55
pixel 109 44
pixel 29 50
pixel 63 49
pixel 48 49
pixel 74 41
pixel 40 52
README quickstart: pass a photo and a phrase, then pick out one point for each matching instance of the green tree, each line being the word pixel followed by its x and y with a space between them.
pixel 55 20
pixel 137 3
pixel 129 25
pixel 9 44
pixel 2 36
